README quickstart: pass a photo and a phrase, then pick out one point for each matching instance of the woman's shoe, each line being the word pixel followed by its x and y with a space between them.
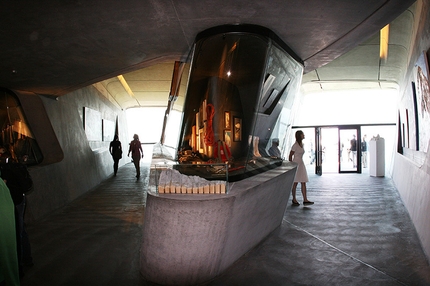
pixel 295 203
pixel 308 203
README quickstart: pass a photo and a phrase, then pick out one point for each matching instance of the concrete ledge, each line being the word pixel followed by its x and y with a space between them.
pixel 189 239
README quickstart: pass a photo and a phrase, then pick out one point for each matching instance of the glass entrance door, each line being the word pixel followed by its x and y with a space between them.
pixel 327 150
pixel 318 151
pixel 349 149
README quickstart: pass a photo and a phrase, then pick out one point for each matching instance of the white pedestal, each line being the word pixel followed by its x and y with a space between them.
pixel 377 157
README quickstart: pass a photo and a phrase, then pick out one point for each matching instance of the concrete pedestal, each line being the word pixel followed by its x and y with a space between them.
pixel 189 239
pixel 377 157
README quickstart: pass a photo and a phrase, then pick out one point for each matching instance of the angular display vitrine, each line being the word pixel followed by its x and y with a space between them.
pixel 242 78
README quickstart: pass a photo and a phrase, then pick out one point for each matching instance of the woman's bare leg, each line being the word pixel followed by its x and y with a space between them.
pixel 293 191
pixel 305 197
pixel 303 185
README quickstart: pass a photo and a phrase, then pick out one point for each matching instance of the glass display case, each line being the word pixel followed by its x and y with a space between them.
pixel 168 180
pixel 17 143
pixel 241 79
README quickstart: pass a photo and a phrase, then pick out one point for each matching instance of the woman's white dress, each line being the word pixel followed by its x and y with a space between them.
pixel 301 174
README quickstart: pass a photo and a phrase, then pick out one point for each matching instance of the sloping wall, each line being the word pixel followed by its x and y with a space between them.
pixel 411 171
pixel 85 163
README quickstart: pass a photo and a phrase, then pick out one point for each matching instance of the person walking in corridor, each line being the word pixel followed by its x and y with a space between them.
pixel 136 153
pixel 115 150
pixel 296 155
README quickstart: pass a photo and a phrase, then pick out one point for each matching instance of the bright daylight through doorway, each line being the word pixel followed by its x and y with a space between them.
pixel 373 111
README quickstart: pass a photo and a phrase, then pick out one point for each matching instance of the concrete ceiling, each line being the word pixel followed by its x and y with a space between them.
pixel 362 68
pixel 66 45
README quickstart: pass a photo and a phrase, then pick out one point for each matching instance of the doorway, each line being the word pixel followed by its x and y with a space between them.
pixel 329 150
pixel 349 149
pixel 337 149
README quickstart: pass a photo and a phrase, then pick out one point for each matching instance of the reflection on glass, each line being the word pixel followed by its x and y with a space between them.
pixel 17 142
pixel 239 84
pixel 349 145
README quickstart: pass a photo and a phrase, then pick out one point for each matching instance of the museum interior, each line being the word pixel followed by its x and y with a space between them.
pixel 216 93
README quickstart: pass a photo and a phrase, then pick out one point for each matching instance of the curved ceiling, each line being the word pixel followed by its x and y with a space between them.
pixel 65 45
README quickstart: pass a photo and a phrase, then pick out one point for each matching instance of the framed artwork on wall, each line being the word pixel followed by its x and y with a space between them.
pixel 198 120
pixel 108 130
pixel 416 130
pixel 93 124
pixel 407 144
pixel 400 140
pixel 227 120
pixel 201 140
pixel 193 138
pixel 237 128
pixel 422 88
pixel 227 137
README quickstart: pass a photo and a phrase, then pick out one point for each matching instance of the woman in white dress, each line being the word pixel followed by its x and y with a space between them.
pixel 296 155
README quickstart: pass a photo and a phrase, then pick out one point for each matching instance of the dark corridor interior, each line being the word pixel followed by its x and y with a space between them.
pixel 358 232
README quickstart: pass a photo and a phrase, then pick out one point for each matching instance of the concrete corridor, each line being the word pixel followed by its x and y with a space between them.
pixel 357 233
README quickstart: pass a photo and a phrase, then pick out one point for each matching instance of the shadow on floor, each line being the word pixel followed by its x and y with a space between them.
pixel 357 233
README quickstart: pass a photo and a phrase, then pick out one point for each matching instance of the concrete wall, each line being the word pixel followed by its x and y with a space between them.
pixel 411 170
pixel 85 164
pixel 189 239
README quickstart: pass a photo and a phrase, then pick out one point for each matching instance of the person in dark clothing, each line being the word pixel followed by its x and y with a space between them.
pixel 136 153
pixel 364 151
pixel 115 150
pixel 19 182
pixel 354 150
pixel 9 272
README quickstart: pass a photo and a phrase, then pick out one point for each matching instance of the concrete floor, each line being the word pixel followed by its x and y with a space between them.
pixel 357 233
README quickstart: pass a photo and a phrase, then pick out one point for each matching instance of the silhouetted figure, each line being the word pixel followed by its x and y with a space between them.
pixel 353 149
pixel 115 150
pixel 19 182
pixel 136 153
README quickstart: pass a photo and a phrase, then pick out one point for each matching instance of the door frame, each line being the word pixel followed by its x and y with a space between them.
pixel 358 132
pixel 318 170
pixel 318 151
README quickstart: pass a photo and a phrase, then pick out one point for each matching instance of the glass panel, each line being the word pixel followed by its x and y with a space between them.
pixel 348 150
pixel 148 133
pixel 330 150
pixel 17 142
pixel 239 84
pixel 169 181
pixel 318 151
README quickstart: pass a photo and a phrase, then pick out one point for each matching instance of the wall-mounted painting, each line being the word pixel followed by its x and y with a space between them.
pixel 227 137
pixel 421 73
pixel 201 140
pixel 93 124
pixel 227 120
pixel 237 129
pixel 414 133
pixel 108 130
pixel 407 130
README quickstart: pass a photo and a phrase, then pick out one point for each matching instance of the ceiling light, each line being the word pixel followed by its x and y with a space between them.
pixel 384 38
pixel 125 85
